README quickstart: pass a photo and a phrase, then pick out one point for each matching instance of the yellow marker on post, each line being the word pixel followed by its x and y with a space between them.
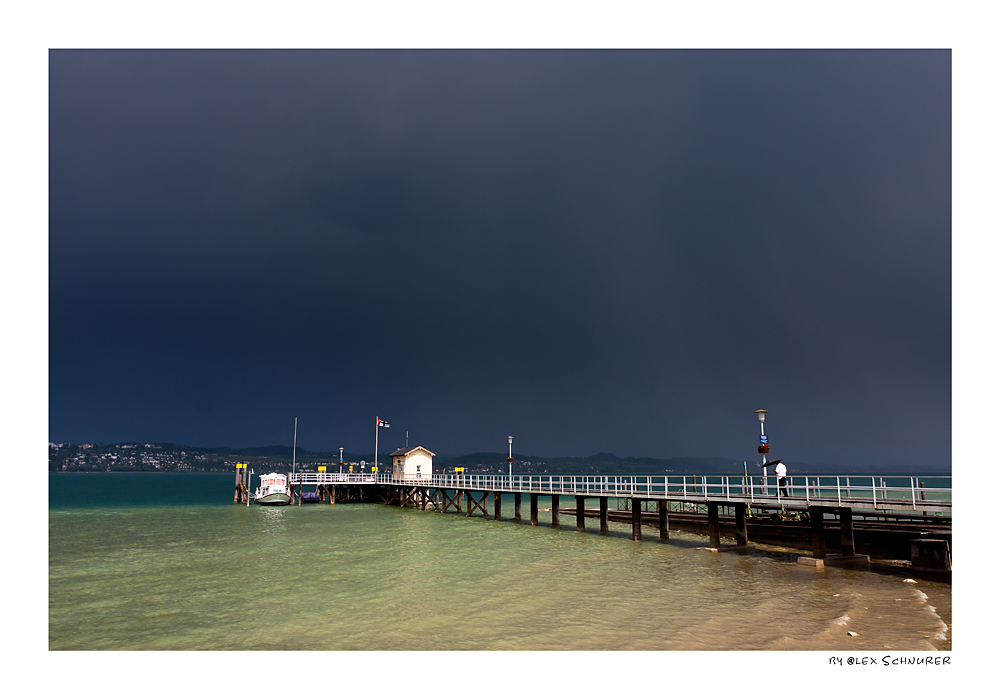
pixel 321 469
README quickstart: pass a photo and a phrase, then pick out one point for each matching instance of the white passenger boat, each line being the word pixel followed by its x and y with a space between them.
pixel 273 490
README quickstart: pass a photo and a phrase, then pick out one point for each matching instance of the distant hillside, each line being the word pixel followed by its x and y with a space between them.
pixel 598 463
pixel 276 451
pixel 168 456
pixel 610 463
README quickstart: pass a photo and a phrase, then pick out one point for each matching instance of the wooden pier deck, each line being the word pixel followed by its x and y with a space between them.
pixel 884 514
pixel 865 493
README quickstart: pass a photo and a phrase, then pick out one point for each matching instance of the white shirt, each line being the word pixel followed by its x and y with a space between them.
pixel 779 470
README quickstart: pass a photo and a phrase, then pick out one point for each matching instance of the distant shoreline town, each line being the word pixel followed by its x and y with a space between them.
pixel 168 457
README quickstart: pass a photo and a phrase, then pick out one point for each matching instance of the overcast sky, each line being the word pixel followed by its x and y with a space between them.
pixel 625 251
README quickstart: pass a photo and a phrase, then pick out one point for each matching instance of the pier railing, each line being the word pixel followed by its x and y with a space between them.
pixel 319 478
pixel 930 494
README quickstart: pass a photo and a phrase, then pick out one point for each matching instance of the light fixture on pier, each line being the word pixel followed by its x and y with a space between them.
pixel 763 449
pixel 510 458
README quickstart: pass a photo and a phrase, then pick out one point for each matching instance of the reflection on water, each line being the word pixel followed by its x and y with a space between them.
pixel 376 577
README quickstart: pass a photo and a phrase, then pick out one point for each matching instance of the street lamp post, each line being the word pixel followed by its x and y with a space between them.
pixel 295 435
pixel 378 423
pixel 762 450
pixel 510 460
pixel 342 459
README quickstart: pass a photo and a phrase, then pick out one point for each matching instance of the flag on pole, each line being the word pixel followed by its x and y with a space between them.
pixel 381 423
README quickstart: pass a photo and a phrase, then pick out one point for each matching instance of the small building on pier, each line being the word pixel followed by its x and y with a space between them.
pixel 414 462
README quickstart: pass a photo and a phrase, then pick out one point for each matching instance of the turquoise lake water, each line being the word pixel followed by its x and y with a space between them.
pixel 169 562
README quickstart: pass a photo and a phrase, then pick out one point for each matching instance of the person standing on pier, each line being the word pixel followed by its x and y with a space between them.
pixel 780 471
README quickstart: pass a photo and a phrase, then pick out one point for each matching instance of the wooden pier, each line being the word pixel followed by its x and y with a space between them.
pixel 840 520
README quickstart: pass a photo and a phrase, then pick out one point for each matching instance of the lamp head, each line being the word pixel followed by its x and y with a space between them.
pixel 760 414
pixel 510 440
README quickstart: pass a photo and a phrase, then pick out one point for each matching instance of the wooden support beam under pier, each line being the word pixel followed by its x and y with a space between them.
pixel 713 525
pixel 661 506
pixel 636 519
pixel 555 510
pixel 324 493
pixel 415 496
pixel 742 537
pixel 472 504
pixel 847 532
pixel 816 526
pixel 517 506
pixel 581 515
pixel 534 509
pixel 496 506
pixel 604 514
pixel 453 501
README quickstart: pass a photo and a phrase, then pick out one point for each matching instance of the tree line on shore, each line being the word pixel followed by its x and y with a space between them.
pixel 176 457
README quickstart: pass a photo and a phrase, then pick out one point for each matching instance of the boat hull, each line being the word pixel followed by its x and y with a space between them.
pixel 275 499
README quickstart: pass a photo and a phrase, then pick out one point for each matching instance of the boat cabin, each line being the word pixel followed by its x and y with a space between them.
pixel 415 462
pixel 271 483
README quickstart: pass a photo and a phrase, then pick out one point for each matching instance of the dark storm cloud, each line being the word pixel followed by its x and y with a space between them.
pixel 594 251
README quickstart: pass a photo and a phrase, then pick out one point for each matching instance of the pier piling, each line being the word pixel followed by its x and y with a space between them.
pixel 517 506
pixel 846 532
pixel 742 538
pixel 453 501
pixel 496 506
pixel 581 516
pixel 604 514
pixel 636 519
pixel 714 540
pixel 555 510
pixel 534 509
pixel 816 526
pixel 930 555
pixel 242 490
pixel 474 504
pixel 664 519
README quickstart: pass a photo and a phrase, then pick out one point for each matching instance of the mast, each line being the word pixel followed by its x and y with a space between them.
pixel 295 435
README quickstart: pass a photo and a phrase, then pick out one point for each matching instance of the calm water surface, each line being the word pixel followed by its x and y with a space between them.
pixel 167 561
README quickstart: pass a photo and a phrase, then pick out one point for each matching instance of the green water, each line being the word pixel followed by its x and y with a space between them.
pixel 167 561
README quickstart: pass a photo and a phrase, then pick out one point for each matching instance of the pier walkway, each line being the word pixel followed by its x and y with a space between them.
pixel 869 493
